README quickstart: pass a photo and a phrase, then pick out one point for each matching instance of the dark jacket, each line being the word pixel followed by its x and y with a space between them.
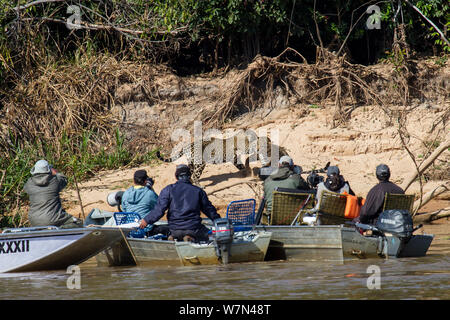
pixel 45 204
pixel 375 200
pixel 184 202
pixel 282 178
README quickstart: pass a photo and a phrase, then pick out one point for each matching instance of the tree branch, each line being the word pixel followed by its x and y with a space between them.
pixel 436 153
pixel 430 22
pixel 428 217
pixel 33 3
pixel 431 195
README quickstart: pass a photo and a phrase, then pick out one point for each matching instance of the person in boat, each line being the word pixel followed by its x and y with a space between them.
pixel 43 188
pixel 375 198
pixel 285 177
pixel 183 202
pixel 334 182
pixel 140 198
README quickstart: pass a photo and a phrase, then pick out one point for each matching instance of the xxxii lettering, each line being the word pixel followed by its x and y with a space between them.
pixel 14 246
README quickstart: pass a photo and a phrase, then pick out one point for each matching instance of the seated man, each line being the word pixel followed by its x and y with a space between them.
pixel 43 188
pixel 375 198
pixel 284 177
pixel 184 202
pixel 140 198
pixel 335 182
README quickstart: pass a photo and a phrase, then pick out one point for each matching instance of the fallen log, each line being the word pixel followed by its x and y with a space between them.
pixel 436 153
pixel 430 196
pixel 428 217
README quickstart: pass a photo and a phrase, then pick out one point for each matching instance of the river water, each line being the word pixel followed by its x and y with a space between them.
pixel 407 278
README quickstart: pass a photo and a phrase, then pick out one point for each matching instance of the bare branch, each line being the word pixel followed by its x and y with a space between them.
pixel 428 217
pixel 431 195
pixel 430 22
pixel 436 153
pixel 34 3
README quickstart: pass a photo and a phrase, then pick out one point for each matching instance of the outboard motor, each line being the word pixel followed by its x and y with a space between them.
pixel 223 232
pixel 399 223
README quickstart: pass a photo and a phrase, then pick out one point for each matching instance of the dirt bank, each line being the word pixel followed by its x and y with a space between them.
pixel 368 138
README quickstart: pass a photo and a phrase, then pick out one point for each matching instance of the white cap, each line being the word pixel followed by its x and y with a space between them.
pixel 41 166
pixel 287 159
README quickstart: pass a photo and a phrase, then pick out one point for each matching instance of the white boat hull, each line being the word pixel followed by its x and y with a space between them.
pixel 52 249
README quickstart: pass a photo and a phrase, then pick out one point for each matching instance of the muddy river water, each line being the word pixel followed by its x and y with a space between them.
pixel 407 278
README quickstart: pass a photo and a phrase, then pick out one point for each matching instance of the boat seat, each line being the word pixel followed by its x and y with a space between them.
pixel 332 208
pixel 241 213
pixel 398 202
pixel 287 204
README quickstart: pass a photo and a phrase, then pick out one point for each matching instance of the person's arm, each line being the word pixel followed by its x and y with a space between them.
pixel 207 207
pixel 62 179
pixel 374 201
pixel 158 211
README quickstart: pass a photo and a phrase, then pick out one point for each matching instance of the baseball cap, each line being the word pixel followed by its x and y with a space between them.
pixel 41 166
pixel 383 172
pixel 333 170
pixel 286 159
pixel 182 169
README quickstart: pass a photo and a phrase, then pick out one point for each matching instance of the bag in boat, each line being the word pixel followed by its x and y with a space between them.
pixel 397 222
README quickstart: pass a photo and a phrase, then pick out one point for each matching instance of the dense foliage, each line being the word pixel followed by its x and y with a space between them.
pixel 211 33
pixel 191 36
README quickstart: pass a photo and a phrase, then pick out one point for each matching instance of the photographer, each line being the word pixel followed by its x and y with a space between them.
pixel 140 198
pixel 43 188
pixel 287 176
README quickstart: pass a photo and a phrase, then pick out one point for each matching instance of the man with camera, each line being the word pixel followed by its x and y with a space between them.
pixel 287 176
pixel 43 189
pixel 140 198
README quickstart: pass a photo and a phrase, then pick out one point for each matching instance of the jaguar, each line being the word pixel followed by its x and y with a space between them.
pixel 238 149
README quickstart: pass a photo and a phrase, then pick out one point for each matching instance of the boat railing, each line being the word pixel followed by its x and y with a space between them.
pixel 29 229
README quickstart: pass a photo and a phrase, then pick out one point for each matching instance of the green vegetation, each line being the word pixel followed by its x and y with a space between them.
pixel 68 125
pixel 74 157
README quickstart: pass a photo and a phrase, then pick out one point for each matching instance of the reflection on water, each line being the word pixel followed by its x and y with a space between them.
pixel 407 278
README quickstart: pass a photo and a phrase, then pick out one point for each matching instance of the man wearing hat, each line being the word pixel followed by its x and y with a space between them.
pixel 284 177
pixel 334 182
pixel 375 198
pixel 183 202
pixel 140 198
pixel 43 189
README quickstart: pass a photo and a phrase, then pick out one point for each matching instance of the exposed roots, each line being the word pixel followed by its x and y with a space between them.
pixel 331 78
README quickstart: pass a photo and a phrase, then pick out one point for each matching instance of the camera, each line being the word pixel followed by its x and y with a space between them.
pixel 314 179
pixel 149 182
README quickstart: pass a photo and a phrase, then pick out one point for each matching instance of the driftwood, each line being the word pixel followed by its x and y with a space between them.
pixel 428 217
pixel 431 195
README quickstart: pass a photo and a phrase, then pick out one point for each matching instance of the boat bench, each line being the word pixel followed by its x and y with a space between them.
pixel 289 206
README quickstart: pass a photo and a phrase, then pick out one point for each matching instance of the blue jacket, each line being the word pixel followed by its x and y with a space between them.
pixel 139 199
pixel 184 202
